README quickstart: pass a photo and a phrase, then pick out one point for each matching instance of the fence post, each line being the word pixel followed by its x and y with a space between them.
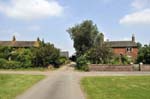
pixel 140 66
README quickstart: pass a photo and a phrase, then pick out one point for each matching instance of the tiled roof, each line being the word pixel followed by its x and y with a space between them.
pixel 116 44
pixel 19 43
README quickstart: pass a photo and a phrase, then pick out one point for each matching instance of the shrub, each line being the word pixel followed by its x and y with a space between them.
pixel 116 60
pixel 5 64
pixel 24 56
pixel 13 65
pixel 2 62
pixel 82 63
pixel 45 54
pixel 121 60
pixel 125 59
pixel 61 60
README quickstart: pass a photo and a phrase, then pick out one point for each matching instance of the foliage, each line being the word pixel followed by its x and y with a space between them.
pixel 82 63
pixel 5 64
pixel 116 60
pixel 122 59
pixel 144 54
pixel 99 55
pixel 5 52
pixel 22 55
pixel 99 40
pixel 12 85
pixel 83 36
pixel 125 59
pixel 42 56
pixel 89 42
pixel 139 45
pixel 46 54
pixel 62 60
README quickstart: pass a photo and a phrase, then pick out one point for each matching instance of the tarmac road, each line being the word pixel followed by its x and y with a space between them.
pixel 61 84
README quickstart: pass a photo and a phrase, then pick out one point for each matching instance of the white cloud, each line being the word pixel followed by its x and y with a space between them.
pixel 31 9
pixel 140 4
pixel 141 14
pixel 139 17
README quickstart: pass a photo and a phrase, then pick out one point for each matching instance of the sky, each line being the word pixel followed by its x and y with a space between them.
pixel 49 19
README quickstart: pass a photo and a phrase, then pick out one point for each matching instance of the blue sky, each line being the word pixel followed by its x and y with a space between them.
pixel 49 19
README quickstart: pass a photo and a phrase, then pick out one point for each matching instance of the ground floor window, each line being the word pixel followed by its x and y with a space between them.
pixel 129 49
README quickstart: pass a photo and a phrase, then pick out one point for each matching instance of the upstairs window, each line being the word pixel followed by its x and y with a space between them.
pixel 129 49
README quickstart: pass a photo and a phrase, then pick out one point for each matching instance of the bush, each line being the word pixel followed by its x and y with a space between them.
pixel 24 56
pixel 45 54
pixel 125 60
pixel 116 60
pixel 5 64
pixel 82 64
pixel 61 60
pixel 13 65
pixel 2 62
pixel 121 60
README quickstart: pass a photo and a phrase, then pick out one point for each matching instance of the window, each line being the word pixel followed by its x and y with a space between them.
pixel 129 49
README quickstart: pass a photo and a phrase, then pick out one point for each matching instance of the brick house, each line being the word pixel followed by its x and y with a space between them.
pixel 128 48
pixel 20 44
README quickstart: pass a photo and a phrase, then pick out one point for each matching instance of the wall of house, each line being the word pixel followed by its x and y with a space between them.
pixel 123 51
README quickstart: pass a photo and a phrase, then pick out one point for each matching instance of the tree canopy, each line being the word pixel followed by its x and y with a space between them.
pixel 144 54
pixel 83 36
pixel 89 42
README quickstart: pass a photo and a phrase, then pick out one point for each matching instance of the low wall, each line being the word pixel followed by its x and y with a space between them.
pixel 103 67
pixel 145 68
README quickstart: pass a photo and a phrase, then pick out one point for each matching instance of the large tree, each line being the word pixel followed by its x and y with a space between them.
pixel 100 53
pixel 99 40
pixel 83 36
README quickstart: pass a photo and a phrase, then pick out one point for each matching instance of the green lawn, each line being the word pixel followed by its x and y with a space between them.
pixel 29 69
pixel 121 87
pixel 12 85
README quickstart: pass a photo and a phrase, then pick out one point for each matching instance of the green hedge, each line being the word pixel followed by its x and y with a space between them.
pixel 5 64
pixel 82 63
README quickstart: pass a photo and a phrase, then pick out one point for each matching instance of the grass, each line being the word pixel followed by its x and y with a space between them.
pixel 30 69
pixel 13 85
pixel 121 87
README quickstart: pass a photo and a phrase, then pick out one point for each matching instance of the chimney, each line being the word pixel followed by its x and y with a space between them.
pixel 133 38
pixel 14 39
pixel 38 39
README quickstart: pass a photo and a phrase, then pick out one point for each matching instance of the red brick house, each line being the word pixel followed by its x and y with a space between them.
pixel 128 48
